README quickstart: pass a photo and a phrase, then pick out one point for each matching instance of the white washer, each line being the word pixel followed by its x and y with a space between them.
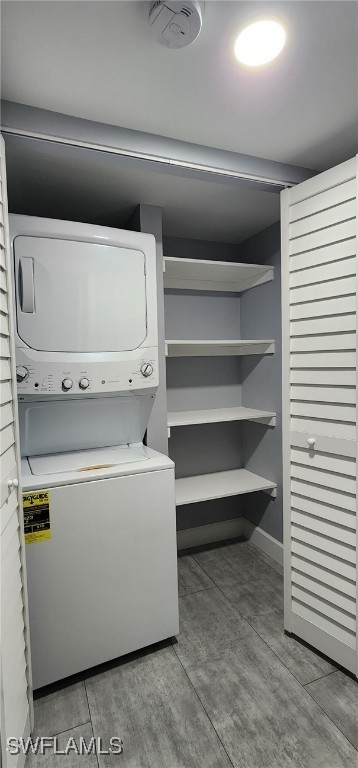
pixel 105 583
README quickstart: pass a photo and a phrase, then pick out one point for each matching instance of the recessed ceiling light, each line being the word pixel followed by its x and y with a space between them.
pixel 260 43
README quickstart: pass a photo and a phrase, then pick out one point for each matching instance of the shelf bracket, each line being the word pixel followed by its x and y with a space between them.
pixel 269 421
pixel 271 492
pixel 253 282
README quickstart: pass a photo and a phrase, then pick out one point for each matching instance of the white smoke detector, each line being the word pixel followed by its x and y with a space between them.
pixel 175 24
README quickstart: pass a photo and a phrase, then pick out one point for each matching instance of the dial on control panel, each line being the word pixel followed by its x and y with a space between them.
pixel 67 384
pixel 146 369
pixel 22 374
pixel 83 383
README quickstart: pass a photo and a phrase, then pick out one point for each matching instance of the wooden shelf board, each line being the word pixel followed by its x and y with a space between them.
pixel 204 275
pixel 213 415
pixel 220 347
pixel 218 485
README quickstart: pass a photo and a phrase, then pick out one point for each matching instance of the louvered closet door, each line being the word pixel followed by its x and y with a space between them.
pixel 319 300
pixel 15 677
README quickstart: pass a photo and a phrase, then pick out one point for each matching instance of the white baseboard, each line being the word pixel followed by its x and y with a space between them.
pixel 231 529
pixel 263 541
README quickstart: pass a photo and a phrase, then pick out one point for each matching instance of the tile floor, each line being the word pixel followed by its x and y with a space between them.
pixel 232 691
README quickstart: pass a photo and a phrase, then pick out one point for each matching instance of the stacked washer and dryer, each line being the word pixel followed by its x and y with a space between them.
pixel 99 504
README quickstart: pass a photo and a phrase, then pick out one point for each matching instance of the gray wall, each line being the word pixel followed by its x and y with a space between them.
pixel 203 382
pixel 261 381
pixel 185 247
pixel 201 315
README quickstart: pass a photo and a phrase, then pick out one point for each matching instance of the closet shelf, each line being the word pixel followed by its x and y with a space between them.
pixel 204 275
pixel 218 485
pixel 215 348
pixel 212 415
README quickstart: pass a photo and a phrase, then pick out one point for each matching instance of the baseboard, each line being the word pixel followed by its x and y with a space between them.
pixel 231 529
pixel 207 534
pixel 263 541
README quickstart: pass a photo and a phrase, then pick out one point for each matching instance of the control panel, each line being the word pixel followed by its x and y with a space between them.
pixel 59 378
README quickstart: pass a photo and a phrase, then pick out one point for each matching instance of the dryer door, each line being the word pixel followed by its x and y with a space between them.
pixel 79 297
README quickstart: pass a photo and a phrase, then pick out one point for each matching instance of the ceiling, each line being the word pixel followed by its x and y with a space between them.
pixel 97 60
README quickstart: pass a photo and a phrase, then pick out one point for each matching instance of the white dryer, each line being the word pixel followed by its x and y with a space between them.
pixel 86 308
pixel 99 505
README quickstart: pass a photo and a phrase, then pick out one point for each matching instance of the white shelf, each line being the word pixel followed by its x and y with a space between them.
pixel 213 348
pixel 218 485
pixel 212 415
pixel 203 275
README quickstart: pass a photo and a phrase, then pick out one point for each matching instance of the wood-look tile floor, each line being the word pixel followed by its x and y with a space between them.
pixel 233 691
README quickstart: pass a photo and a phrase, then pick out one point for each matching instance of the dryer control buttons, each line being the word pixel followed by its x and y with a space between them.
pixel 67 384
pixel 22 374
pixel 83 383
pixel 146 369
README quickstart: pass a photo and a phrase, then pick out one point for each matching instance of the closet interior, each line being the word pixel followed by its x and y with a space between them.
pixel 219 363
pixel 195 279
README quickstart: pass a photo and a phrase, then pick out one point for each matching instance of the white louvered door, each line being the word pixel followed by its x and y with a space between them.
pixel 319 318
pixel 15 674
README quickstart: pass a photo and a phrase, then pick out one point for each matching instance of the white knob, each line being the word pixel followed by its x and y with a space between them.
pixel 146 369
pixel 67 384
pixel 311 442
pixel 21 374
pixel 13 483
pixel 83 383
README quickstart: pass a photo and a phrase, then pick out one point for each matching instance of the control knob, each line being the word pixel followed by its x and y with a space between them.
pixel 146 369
pixel 21 374
pixel 67 384
pixel 83 383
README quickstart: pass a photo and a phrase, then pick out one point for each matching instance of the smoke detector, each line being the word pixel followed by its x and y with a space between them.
pixel 175 24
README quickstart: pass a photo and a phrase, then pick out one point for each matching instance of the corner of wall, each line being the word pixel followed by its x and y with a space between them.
pixel 148 218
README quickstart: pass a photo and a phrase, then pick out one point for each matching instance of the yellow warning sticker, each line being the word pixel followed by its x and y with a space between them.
pixel 36 505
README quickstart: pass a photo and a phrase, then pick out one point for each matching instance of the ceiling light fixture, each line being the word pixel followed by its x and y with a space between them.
pixel 260 43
